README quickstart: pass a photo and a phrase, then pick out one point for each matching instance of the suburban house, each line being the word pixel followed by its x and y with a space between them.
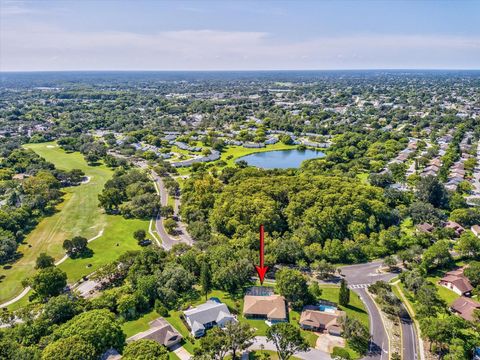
pixel 455 226
pixel 21 176
pixel 160 331
pixel 457 282
pixel 425 228
pixel 476 230
pixel 251 145
pixel 205 316
pixel 272 308
pixel 464 307
pixel 313 318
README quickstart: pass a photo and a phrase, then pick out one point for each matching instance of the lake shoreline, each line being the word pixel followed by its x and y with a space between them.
pixel 294 157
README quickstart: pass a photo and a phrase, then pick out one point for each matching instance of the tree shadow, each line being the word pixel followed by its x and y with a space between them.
pixel 356 309
pixel 375 349
pixel 8 263
pixel 85 254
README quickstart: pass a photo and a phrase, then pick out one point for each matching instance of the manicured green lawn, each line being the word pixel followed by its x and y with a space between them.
pixel 133 327
pixel 446 294
pixel 78 214
pixel 173 356
pixel 355 309
pixel 117 238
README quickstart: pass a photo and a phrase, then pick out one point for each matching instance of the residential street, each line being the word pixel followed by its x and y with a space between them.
pixel 359 277
pixel 167 240
pixel 378 348
pixel 409 338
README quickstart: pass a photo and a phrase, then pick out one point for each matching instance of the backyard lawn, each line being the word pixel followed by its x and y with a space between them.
pixel 447 295
pixel 78 214
pixel 356 308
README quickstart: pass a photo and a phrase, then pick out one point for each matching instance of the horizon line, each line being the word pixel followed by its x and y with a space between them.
pixel 240 70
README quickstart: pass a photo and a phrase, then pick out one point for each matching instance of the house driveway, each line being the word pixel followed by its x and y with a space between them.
pixel 261 343
pixel 181 352
pixel 327 342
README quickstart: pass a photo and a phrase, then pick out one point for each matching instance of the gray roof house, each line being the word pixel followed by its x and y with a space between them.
pixel 160 331
pixel 206 316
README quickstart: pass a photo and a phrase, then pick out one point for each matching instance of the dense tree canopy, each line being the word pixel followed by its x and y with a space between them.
pixel 97 327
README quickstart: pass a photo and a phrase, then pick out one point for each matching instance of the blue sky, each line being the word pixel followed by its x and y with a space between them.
pixel 238 35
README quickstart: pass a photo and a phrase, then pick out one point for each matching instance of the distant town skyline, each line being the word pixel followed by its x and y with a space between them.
pixel 238 35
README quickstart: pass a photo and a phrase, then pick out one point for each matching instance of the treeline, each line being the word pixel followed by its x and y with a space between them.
pixel 357 151
pixel 91 148
pixel 308 218
pixel 453 153
pixel 30 188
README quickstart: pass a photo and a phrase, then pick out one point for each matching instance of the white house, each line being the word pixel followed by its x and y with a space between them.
pixel 457 282
pixel 206 316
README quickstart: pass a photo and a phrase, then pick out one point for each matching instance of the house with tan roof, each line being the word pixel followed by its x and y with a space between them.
pixel 272 308
pixel 425 228
pixel 161 332
pixel 457 282
pixel 312 318
pixel 459 229
pixel 465 307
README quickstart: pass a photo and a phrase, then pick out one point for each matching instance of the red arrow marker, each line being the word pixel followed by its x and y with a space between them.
pixel 261 270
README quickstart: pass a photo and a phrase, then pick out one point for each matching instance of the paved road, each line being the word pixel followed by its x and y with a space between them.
pixel 409 336
pixel 378 348
pixel 359 277
pixel 167 240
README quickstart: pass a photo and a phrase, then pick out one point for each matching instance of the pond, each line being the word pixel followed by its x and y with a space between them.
pixel 281 159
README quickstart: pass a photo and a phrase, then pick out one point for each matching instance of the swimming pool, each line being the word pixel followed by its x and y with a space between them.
pixel 327 308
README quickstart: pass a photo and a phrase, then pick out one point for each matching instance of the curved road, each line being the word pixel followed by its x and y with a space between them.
pixel 167 240
pixel 409 337
pixel 359 277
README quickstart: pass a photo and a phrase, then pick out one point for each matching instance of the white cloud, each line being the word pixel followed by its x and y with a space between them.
pixel 44 47
pixel 14 7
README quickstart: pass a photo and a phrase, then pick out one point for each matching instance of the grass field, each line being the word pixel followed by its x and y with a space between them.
pixel 78 214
